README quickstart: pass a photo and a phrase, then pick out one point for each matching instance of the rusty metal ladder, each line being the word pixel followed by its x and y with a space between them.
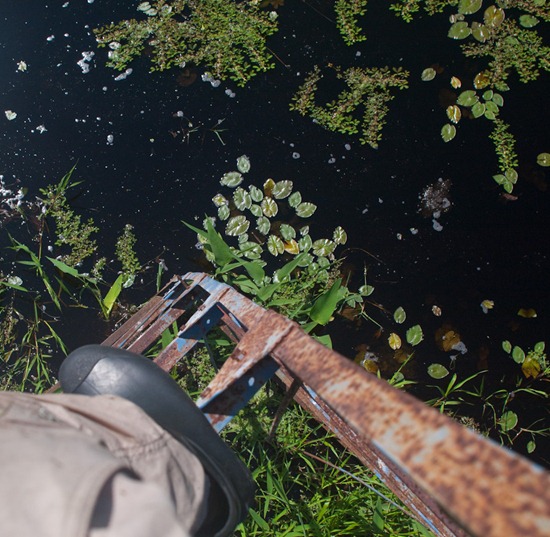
pixel 455 482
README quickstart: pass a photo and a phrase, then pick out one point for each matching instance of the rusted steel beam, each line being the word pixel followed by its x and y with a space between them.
pixel 454 480
pixel 484 488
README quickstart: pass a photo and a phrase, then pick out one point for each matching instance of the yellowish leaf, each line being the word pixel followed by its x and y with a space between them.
pixel 527 313
pixel 530 367
pixel 455 82
pixel 395 341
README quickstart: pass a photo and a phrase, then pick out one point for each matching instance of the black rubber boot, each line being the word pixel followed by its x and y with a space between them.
pixel 103 370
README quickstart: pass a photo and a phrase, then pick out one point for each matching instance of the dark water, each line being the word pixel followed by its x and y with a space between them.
pixel 487 249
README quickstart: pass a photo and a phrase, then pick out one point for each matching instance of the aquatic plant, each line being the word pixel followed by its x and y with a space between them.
pixel 347 13
pixel 368 89
pixel 225 36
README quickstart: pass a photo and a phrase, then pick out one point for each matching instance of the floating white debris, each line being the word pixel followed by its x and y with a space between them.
pixel 14 280
pixel 229 93
pixel 41 129
pixel 460 347
pixel 110 139
pixel 114 45
pixel 179 113
pixel 83 62
pixel 66 4
pixel 331 160
pixel 413 230
pixel 207 77
pixel 295 155
pixel 347 147
pixel 50 38
pixel 126 73
pixel 21 66
pixel 487 305
pixel 10 115
pixel 436 225
pixel 399 236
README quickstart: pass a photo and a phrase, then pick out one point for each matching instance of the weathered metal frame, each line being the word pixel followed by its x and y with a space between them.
pixel 454 481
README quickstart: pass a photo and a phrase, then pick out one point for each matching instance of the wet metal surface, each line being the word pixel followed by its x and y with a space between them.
pixel 455 481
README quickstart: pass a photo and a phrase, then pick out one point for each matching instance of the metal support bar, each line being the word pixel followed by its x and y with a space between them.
pixel 455 481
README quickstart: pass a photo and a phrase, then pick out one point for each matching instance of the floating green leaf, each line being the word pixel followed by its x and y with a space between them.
pixel 223 212
pixel 231 179
pixel 459 30
pixel 531 446
pixel 480 32
pixel 492 107
pixel 428 74
pixel 415 335
pixel 305 260
pixel 454 113
pixel 539 347
pixel 269 207
pixel 287 232
pixel 256 194
pixel 511 175
pixel 366 290
pixel 263 225
pixel 323 262
pixel 528 21
pixel 236 226
pixel 437 371
pixel 543 159
pixel 478 109
pixel 219 200
pixel 493 16
pixel 448 132
pixel 518 355
pixel 498 99
pixel 489 114
pixel 256 210
pixel 467 98
pixel 507 347
pixel 243 164
pixel 340 236
pixel 323 247
pixel 275 245
pixel 488 95
pixel 305 209
pixel 242 199
pixel 251 250
pixel 282 189
pixel 468 7
pixel 508 421
pixel 399 315
pixel 305 243
pixel 291 246
pixel 295 200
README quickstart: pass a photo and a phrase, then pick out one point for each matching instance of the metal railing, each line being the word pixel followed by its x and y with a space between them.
pixel 455 482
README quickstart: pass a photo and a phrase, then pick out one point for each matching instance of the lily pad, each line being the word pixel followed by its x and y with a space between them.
pixel 518 354
pixel 292 247
pixel 437 371
pixel 454 113
pixel 295 199
pixel 242 199
pixel 459 30
pixel 480 32
pixel 269 207
pixel 275 245
pixel 282 189
pixel 482 80
pixel 256 194
pixel 223 212
pixel 251 250
pixel 490 105
pixel 305 209
pixel 256 210
pixel 543 159
pixel 399 315
pixel 507 347
pixel 305 243
pixel 494 16
pixel 468 7
pixel 448 132
pixel 287 232
pixel 489 114
pixel 428 74
pixel 528 21
pixel 263 225
pixel 467 98
pixel 231 179
pixel 268 187
pixel 366 290
pixel 478 109
pixel 415 335
pixel 323 247
pixel 243 164
pixel 236 226
pixel 305 260
pixel 488 95
pixel 219 200
pixel 394 341
pixel 340 236
pixel 498 99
